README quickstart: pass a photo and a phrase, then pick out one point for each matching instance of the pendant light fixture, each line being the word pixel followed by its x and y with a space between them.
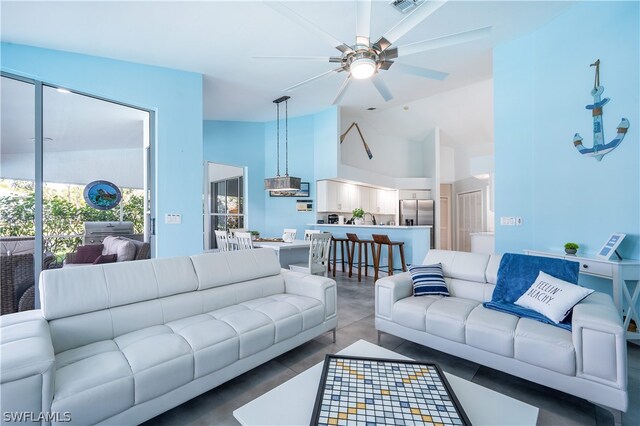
pixel 286 182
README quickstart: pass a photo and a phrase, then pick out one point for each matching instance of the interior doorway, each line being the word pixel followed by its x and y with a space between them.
pixel 469 218
pixel 446 242
pixel 225 206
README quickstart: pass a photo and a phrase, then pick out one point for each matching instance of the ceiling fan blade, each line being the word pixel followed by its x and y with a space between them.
pixel 363 21
pixel 444 41
pixel 301 20
pixel 309 80
pixel 421 13
pixel 382 87
pixel 420 72
pixel 297 58
pixel 342 90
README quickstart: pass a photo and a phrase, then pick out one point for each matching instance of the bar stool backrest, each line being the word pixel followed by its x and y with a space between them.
pixel 353 237
pixel 291 232
pixel 381 239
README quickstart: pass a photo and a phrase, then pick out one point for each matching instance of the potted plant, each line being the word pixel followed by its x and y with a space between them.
pixel 254 235
pixel 358 215
pixel 571 248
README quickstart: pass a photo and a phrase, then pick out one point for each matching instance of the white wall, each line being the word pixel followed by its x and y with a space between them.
pixel 393 154
pixel 123 167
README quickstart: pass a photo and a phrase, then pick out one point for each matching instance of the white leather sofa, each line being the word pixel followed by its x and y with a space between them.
pixel 121 343
pixel 589 362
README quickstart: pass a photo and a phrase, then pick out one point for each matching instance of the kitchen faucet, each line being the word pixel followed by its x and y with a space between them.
pixel 373 218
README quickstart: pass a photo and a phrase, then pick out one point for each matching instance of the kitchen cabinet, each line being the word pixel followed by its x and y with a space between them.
pixel 413 194
pixel 382 201
pixel 336 197
pixel 339 197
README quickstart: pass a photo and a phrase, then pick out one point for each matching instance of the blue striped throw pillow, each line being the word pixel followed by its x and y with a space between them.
pixel 428 280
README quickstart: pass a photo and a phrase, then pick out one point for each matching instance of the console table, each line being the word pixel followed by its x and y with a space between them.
pixel 620 272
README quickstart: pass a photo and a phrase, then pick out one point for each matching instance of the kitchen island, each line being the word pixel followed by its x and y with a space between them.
pixel 417 239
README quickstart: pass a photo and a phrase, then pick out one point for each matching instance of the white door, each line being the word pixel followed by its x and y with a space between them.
pixel 445 223
pixel 470 216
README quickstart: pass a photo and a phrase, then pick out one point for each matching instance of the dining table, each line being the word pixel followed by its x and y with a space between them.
pixel 291 253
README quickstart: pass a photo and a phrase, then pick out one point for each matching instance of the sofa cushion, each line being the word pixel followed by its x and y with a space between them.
pixel 96 385
pixel 218 269
pixel 160 361
pixel 491 330
pixel 428 279
pixel 256 330
pixel 411 311
pixel 460 265
pixel 88 253
pixel 213 342
pixel 446 317
pixel 124 248
pixel 545 346
pixel 105 258
pixel 552 297
pixel 311 309
pixel 286 318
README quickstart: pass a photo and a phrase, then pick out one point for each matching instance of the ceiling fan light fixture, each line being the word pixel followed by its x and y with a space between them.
pixel 363 68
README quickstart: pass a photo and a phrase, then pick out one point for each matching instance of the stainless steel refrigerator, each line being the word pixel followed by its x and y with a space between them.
pixel 418 212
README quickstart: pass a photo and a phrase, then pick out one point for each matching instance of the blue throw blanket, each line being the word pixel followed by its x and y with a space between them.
pixel 516 274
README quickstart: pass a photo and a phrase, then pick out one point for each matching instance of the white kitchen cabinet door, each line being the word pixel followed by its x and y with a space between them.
pixel 390 203
pixel 348 197
pixel 365 196
pixel 412 194
pixel 328 196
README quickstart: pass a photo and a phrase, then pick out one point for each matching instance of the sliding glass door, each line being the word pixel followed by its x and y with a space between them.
pixel 56 146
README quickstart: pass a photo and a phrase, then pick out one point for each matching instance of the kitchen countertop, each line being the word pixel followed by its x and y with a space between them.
pixel 372 226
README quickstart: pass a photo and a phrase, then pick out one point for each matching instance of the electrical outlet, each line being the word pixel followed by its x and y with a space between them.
pixel 507 221
pixel 173 219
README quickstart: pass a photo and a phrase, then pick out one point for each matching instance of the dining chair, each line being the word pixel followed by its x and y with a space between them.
pixel 243 240
pixel 309 232
pixel 222 240
pixel 290 232
pixel 318 255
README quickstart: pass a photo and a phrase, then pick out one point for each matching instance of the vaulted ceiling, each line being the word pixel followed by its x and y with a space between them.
pixel 220 39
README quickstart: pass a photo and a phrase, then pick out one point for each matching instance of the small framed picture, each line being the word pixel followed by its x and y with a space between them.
pixel 611 245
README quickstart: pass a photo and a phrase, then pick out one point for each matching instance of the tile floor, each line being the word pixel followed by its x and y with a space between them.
pixel 356 321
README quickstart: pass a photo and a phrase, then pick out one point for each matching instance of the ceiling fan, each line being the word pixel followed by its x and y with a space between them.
pixel 364 59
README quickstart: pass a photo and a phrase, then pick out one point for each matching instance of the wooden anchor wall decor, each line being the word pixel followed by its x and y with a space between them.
pixel 600 148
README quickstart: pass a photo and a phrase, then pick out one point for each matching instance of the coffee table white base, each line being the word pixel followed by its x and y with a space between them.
pixel 292 402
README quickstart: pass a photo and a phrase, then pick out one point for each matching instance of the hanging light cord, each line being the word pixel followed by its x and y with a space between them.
pixel 286 138
pixel 278 139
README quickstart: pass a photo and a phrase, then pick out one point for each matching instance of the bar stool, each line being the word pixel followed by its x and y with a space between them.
pixel 334 251
pixel 353 238
pixel 383 239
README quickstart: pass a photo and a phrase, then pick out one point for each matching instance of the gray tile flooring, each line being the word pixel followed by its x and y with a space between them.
pixel 356 321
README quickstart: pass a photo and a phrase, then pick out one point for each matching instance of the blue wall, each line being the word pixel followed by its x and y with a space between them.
pixel 541 86
pixel 240 144
pixel 312 147
pixel 175 96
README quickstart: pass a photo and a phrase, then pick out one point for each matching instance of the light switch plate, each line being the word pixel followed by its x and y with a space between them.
pixel 507 221
pixel 173 219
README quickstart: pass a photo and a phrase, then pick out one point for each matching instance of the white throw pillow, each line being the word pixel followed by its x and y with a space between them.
pixel 552 297
pixel 124 249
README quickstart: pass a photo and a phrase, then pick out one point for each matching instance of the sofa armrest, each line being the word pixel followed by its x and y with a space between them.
pixel 600 342
pixel 27 364
pixel 314 286
pixel 391 289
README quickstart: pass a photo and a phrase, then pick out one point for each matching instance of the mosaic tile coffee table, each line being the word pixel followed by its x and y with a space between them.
pixel 292 402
